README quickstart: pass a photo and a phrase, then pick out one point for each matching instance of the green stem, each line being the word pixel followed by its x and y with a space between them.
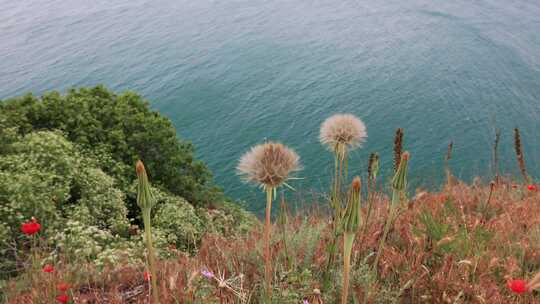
pixel 348 241
pixel 267 262
pixel 151 254
pixel 283 225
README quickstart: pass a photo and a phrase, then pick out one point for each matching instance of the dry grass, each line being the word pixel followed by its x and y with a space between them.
pixel 449 247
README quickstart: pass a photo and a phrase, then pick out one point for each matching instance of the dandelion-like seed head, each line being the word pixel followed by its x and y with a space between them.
pixel 342 131
pixel 268 164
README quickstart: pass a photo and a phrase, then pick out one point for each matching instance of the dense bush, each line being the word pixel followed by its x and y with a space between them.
pixel 83 210
pixel 83 243
pixel 45 176
pixel 121 126
pixel 177 221
pixel 68 161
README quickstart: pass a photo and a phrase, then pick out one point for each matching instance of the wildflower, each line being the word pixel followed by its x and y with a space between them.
pixel 147 276
pixel 517 286
pixel 63 298
pixel 341 132
pixel 531 187
pixel 146 201
pixel 48 268
pixel 268 164
pixel 305 301
pixel 399 182
pixel 31 227
pixel 63 287
pixel 351 221
pixel 399 185
pixel 207 274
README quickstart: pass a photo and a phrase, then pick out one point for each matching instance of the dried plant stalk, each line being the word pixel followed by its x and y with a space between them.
pixel 398 147
pixel 519 154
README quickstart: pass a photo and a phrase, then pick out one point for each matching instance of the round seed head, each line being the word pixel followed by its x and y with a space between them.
pixel 342 129
pixel 268 164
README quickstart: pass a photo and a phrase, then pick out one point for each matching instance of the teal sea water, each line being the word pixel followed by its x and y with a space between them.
pixel 233 73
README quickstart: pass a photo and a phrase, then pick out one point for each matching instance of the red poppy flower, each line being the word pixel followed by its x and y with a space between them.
pixel 31 227
pixel 63 298
pixel 517 286
pixel 48 268
pixel 62 287
pixel 531 187
pixel 147 276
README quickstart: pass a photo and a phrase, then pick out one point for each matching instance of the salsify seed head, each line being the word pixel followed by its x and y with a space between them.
pixel 342 130
pixel 268 164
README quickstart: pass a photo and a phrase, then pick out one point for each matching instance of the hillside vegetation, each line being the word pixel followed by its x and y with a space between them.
pixel 101 203
pixel 68 161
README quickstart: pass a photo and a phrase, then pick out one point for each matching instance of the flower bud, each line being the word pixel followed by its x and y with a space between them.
pixel 351 218
pixel 139 168
pixel 145 200
pixel 399 182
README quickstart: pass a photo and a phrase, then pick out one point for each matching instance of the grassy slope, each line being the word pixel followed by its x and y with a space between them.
pixel 448 247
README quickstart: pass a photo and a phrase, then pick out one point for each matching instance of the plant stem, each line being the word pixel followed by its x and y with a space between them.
pixel 267 264
pixel 348 240
pixel 283 227
pixel 336 206
pixel 496 154
pixel 151 254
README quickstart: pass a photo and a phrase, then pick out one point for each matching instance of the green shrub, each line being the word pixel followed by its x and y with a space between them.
pixel 100 200
pixel 81 243
pixel 122 126
pixel 177 222
pixel 44 175
pixel 227 218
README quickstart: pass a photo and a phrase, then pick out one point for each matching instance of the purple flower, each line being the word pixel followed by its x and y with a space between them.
pixel 305 301
pixel 207 274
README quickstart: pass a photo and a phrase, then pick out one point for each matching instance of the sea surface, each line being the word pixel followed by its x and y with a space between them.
pixel 233 73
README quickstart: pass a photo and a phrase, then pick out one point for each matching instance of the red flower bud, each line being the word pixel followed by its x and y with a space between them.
pixel 531 187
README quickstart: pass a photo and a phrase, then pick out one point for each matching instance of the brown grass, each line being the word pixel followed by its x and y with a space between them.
pixel 446 247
